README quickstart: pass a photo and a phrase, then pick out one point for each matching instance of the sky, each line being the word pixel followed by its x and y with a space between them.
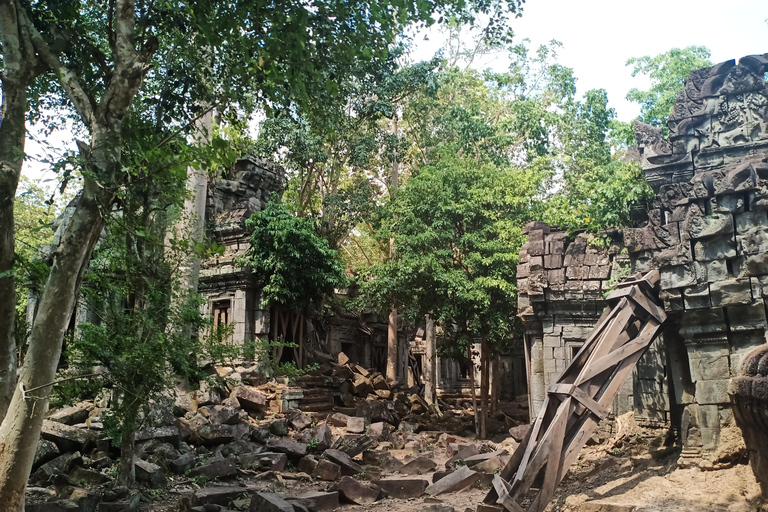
pixel 598 37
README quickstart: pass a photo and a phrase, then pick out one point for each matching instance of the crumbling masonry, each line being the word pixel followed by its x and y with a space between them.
pixel 707 233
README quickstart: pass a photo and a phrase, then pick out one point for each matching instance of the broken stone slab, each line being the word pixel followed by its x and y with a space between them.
pixel 249 398
pixel 67 438
pixel 403 488
pixel 356 492
pixel 418 466
pixel 383 459
pixel 338 419
pixel 459 479
pixel 220 414
pixel 293 449
pixel 61 465
pixel 298 420
pixel 377 430
pixel 214 435
pixel 326 470
pixel 355 425
pixel 323 500
pixel 83 476
pixel 218 495
pixel 216 469
pixel 463 452
pixel 269 502
pixel 348 466
pixel 149 473
pixel 65 505
pixel 374 411
pixel 184 462
pixel 482 457
pixel 354 444
pixel 519 432
pixel 489 466
pixel 264 460
pixel 46 451
pixel 168 434
pixel 307 464
pixel 279 428
pixel 77 413
pixel 322 439
pixel 437 507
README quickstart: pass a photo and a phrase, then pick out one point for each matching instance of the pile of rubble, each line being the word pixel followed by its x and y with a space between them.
pixel 377 440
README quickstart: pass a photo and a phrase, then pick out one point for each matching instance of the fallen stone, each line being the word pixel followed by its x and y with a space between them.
pixel 418 466
pixel 382 459
pixel 348 466
pixel 220 414
pixel 269 502
pixel 214 435
pixel 338 419
pixel 375 411
pixel 77 413
pixel 217 495
pixel 307 464
pixel 361 386
pixel 216 469
pixel 68 439
pixel 83 476
pixel 46 451
pixel 356 492
pixel 298 420
pixel 264 460
pixel 482 457
pixel 61 465
pixel 323 500
pixel 168 434
pixel 489 466
pixel 462 454
pixel 149 473
pixel 322 439
pixel 403 489
pixel 459 479
pixel 438 507
pixel 380 383
pixel 279 428
pixel 326 470
pixel 354 444
pixel 293 449
pixel 66 505
pixel 519 432
pixel 249 398
pixel 355 425
pixel 184 462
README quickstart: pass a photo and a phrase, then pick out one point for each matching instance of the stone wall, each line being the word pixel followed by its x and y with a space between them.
pixel 707 233
pixel 562 283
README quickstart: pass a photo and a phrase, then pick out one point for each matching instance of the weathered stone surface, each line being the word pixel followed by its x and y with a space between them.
pixel 717 248
pixel 46 451
pixel 326 470
pixel 216 469
pixel 169 434
pixel 217 495
pixel 278 428
pixel 732 291
pixel 293 449
pixel 322 438
pixel 149 473
pixel 519 432
pixel 338 419
pixel 462 453
pixel 249 398
pixel 307 464
pixel 298 420
pixel 220 414
pixel 383 459
pixel 457 480
pixel 183 463
pixel 83 476
pixel 323 500
pixel 403 488
pixel 355 425
pixel 77 413
pixel 67 438
pixel 264 460
pixel 374 411
pixel 62 464
pixel 214 435
pixel 489 466
pixel 348 466
pixel 269 502
pixel 353 491
pixel 418 466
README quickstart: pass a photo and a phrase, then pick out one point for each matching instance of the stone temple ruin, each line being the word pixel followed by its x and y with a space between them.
pixel 707 234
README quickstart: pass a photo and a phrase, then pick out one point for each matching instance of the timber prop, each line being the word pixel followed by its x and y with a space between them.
pixel 581 397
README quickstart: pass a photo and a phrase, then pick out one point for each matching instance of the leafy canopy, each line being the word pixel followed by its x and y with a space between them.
pixel 292 263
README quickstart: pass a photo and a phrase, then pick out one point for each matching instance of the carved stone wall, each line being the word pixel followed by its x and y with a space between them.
pixel 562 283
pixel 707 233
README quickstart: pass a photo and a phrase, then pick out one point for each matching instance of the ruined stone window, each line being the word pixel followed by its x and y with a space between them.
pixel 221 312
pixel 464 368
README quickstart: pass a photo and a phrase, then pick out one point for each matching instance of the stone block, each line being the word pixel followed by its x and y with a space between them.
pixel 747 317
pixel 322 500
pixel 67 438
pixel 708 362
pixel 264 461
pixel 722 247
pixel 712 392
pixel 348 466
pixel 747 266
pixel 747 220
pixel 552 261
pixel 249 398
pixel 403 488
pixel 730 292
pixel 709 225
pixel 730 203
pixel 711 271
pixel 216 469
pixel 418 466
pixel 696 297
pixel 679 276
pixel 552 341
pixel 359 493
pixel 752 241
pixel 703 323
pixel 77 413
pixel 455 481
pixel 151 474
pixel 217 495
pixel 269 502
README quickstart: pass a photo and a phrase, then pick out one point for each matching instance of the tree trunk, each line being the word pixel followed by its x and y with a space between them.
pixel 472 389
pixel 430 363
pixel 484 387
pixel 126 471
pixel 392 346
pixel 392 328
pixel 495 383
pixel 20 430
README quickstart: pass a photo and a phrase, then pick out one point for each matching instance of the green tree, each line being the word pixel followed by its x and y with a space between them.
pixel 667 72
pixel 294 265
pixel 97 63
